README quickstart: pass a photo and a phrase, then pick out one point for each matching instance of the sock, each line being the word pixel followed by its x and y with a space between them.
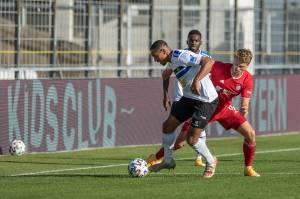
pixel 202 137
pixel 168 141
pixel 201 148
pixel 249 152
pixel 160 153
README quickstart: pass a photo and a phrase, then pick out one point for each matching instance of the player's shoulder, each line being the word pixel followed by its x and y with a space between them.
pixel 222 65
pixel 183 55
pixel 176 53
pixel 248 75
pixel 204 53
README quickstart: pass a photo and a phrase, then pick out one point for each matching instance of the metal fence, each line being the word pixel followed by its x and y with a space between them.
pixel 112 37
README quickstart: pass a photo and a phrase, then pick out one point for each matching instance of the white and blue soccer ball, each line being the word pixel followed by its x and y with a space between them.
pixel 137 168
pixel 17 147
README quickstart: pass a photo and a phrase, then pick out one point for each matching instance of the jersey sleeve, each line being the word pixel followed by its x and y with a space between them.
pixel 218 66
pixel 190 59
pixel 247 87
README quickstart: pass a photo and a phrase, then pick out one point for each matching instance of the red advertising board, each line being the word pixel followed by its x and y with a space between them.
pixel 55 115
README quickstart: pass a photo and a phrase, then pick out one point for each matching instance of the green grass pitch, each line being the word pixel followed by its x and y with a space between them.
pixel 102 173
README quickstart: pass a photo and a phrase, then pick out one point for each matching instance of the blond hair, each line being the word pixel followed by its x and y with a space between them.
pixel 244 55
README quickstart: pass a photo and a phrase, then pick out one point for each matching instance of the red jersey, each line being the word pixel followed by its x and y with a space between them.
pixel 228 86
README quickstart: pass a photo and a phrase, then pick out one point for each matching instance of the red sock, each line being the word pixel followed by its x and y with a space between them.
pixel 249 152
pixel 160 153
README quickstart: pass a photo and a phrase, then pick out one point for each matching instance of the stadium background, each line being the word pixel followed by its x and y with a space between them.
pixel 89 80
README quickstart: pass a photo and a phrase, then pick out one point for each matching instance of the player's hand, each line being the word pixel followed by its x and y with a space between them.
pixel 166 102
pixel 195 87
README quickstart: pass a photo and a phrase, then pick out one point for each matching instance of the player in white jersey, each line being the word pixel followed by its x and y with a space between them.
pixel 194 41
pixel 199 101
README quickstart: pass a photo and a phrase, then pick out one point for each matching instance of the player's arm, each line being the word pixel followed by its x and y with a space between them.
pixel 246 95
pixel 207 64
pixel 244 106
pixel 166 79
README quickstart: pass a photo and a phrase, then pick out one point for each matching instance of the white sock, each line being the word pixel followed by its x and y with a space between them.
pixel 203 134
pixel 202 137
pixel 168 142
pixel 202 149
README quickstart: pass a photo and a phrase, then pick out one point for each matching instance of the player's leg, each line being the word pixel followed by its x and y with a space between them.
pixel 231 118
pixel 180 142
pixel 201 116
pixel 199 145
pixel 180 112
pixel 248 148
pixel 199 161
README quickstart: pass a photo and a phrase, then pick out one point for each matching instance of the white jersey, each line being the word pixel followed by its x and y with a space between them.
pixel 178 93
pixel 186 64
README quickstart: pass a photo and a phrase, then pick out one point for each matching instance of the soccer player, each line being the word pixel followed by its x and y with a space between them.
pixel 191 70
pixel 194 41
pixel 232 80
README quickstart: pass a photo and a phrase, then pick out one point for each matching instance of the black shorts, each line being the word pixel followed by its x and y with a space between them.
pixel 200 112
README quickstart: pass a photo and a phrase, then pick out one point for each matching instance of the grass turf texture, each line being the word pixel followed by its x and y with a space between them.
pixel 102 173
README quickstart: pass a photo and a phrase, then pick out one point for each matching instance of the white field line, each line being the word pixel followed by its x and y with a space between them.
pixel 118 165
pixel 257 152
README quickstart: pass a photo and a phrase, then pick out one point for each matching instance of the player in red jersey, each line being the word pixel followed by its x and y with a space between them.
pixel 232 80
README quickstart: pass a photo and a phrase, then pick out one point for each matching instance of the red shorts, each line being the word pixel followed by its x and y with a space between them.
pixel 228 117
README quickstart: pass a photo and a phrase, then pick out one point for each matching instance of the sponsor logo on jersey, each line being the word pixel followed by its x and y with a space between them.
pixel 181 70
pixel 193 59
pixel 203 117
pixel 238 87
pixel 176 53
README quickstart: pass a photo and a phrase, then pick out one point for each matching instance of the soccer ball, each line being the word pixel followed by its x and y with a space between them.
pixel 17 147
pixel 137 168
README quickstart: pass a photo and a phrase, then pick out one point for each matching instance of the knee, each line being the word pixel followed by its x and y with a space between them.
pixel 167 127
pixel 191 140
pixel 179 145
pixel 251 137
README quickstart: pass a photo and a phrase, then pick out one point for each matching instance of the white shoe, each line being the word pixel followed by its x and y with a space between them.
pixel 210 169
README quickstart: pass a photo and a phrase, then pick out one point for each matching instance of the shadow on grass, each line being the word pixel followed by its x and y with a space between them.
pixel 111 176
pixel 48 163
pixel 84 158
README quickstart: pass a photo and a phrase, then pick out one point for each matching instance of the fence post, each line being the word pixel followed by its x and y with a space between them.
pixel 207 25
pixel 286 32
pixel 87 45
pixel 18 36
pixel 120 20
pixel 53 45
pixel 180 17
pixel 261 35
pixel 151 6
pixel 235 42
